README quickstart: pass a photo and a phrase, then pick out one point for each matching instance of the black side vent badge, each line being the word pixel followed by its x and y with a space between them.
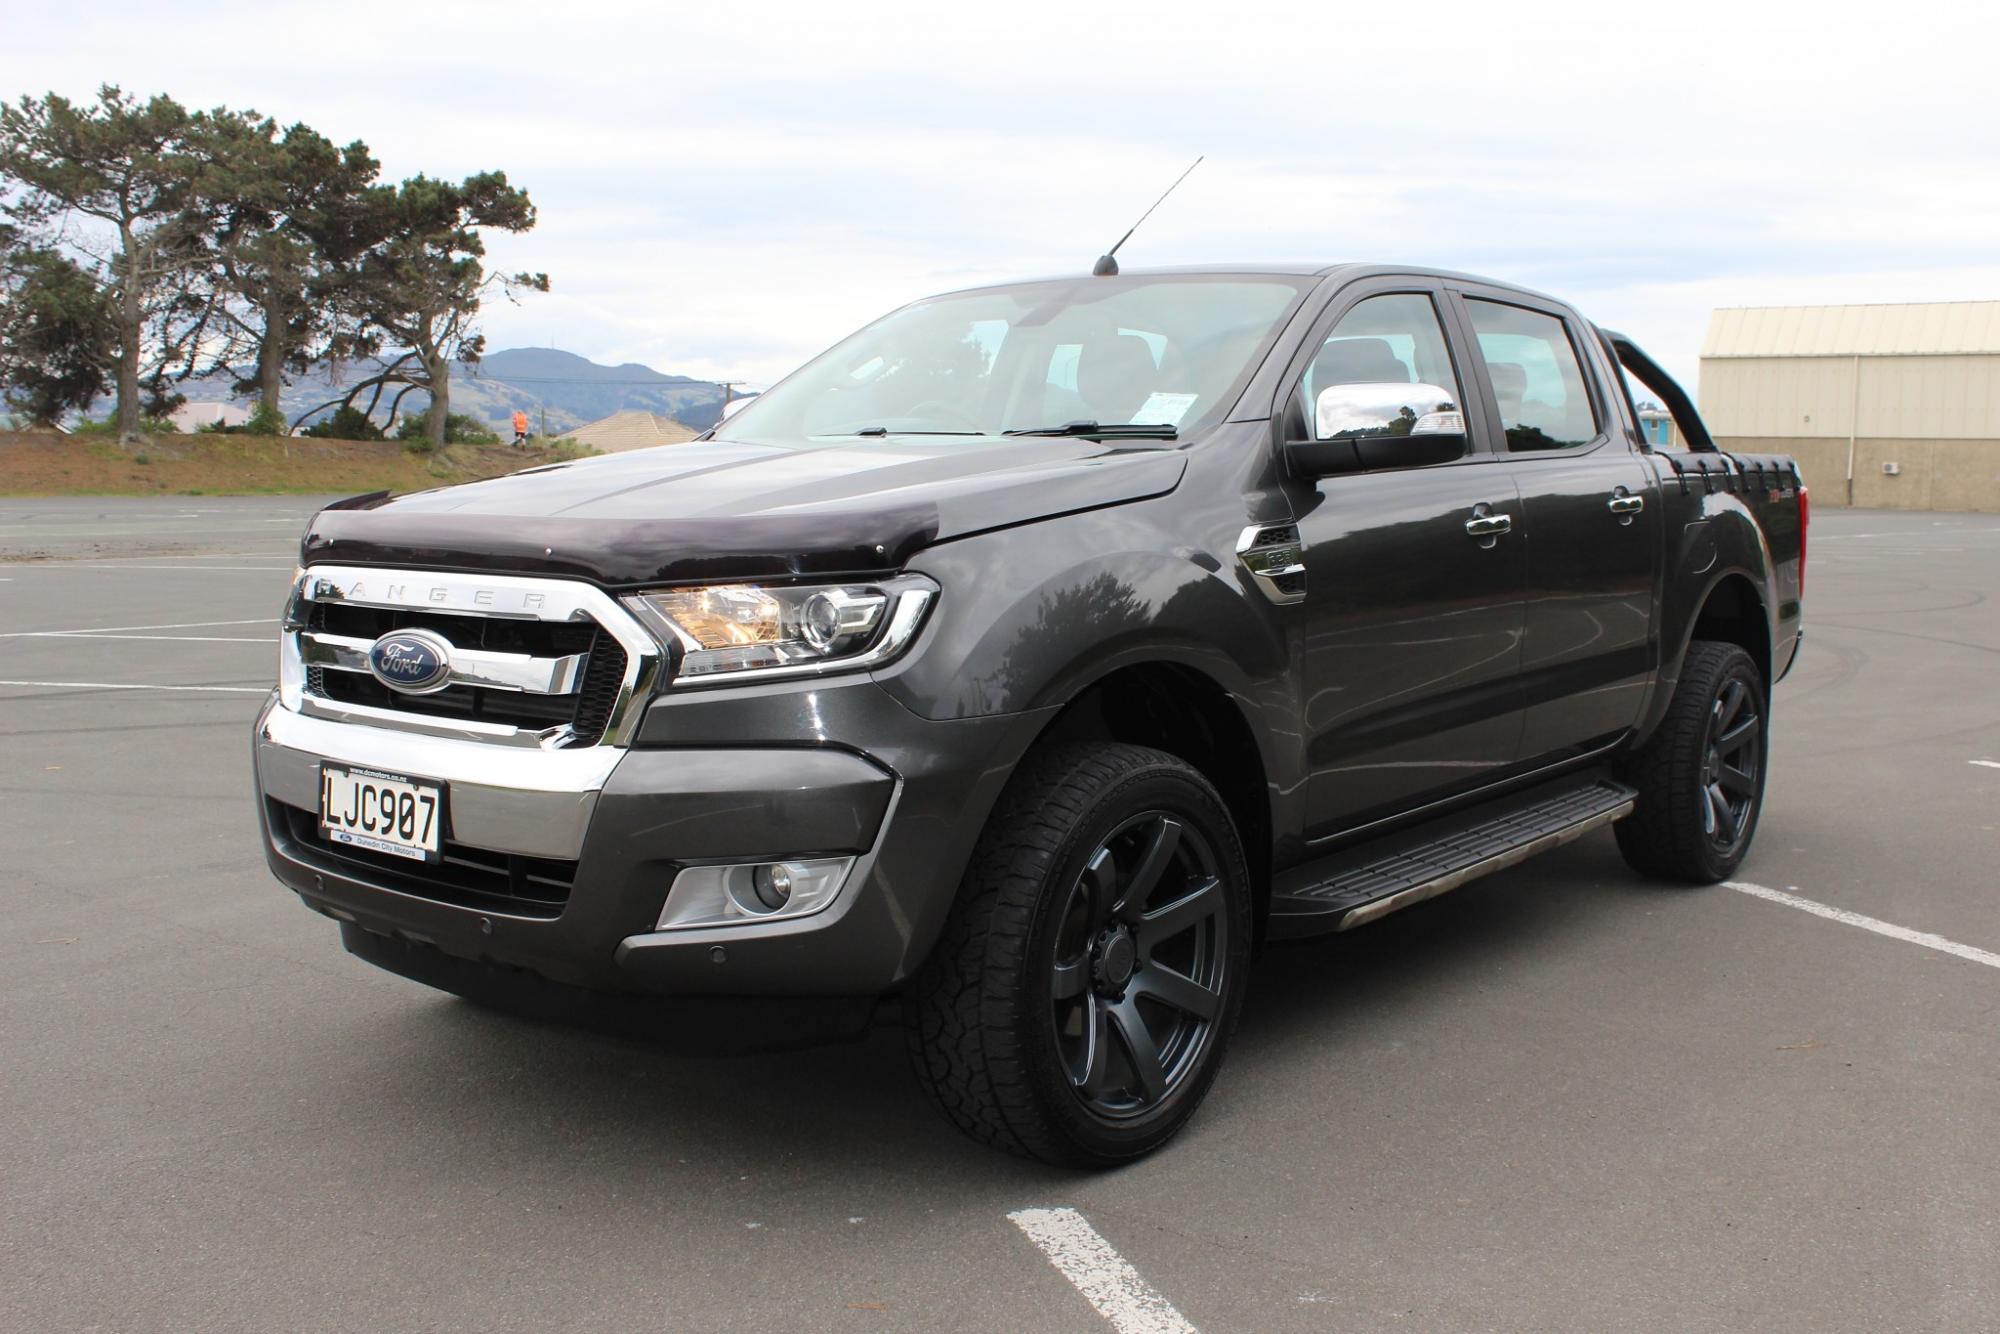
pixel 1275 559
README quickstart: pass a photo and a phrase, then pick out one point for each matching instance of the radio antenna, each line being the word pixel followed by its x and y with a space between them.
pixel 1107 263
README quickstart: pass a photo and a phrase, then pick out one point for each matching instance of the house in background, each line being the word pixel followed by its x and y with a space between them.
pixel 632 430
pixel 191 417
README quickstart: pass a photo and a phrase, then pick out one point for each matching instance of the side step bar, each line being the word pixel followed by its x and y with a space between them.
pixel 1356 886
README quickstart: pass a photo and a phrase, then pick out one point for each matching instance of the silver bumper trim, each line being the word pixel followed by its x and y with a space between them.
pixel 510 799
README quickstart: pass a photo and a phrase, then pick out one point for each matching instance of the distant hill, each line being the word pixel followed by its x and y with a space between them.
pixel 569 389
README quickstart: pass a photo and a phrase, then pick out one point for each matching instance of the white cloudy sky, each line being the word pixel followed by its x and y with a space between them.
pixel 725 188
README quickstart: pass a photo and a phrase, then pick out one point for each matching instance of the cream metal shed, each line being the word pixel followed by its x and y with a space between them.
pixel 1895 406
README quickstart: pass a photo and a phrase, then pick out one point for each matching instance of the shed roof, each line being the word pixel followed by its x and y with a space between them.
pixel 632 429
pixel 1933 328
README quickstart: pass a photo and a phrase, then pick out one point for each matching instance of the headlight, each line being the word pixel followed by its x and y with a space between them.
pixel 734 632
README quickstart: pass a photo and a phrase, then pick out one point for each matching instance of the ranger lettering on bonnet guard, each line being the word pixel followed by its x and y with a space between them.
pixel 1023 661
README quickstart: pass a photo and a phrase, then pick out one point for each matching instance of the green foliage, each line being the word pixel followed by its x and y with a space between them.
pixel 459 429
pixel 58 335
pixel 109 427
pixel 215 238
pixel 266 420
pixel 567 450
pixel 347 423
pixel 141 459
pixel 121 165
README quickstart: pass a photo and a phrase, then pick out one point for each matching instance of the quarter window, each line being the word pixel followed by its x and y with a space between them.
pixel 1535 376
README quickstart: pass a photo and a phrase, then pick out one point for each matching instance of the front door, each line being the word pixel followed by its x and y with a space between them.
pixel 1411 622
pixel 1590 513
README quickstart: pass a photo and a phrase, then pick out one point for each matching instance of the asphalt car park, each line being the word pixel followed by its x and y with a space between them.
pixel 1561 1098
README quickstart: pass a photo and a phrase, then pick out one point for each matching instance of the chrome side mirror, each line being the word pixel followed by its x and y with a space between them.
pixel 1386 410
pixel 1357 427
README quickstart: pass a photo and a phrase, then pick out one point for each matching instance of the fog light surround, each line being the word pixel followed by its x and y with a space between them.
pixel 736 895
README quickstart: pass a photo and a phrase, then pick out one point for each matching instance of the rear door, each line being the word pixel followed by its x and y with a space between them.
pixel 1590 517
pixel 1411 622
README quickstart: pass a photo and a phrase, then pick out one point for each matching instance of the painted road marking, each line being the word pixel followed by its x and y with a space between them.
pixel 1081 1255
pixel 113 685
pixel 153 639
pixel 1879 927
pixel 107 629
pixel 1990 764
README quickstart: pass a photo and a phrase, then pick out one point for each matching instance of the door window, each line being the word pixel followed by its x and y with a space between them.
pixel 1393 345
pixel 1535 376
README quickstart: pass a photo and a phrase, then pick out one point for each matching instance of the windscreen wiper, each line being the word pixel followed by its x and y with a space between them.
pixel 884 430
pixel 1111 431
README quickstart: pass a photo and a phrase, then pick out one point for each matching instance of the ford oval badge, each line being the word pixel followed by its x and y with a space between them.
pixel 412 661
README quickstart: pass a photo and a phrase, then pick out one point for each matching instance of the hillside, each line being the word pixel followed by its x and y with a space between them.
pixel 571 390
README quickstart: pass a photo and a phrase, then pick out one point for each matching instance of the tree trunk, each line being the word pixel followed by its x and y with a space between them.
pixel 131 322
pixel 438 371
pixel 271 362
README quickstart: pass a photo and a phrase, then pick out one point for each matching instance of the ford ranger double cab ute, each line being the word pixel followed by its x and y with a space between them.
pixel 1022 663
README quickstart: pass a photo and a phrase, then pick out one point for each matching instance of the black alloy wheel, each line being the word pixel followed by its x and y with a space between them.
pixel 1700 776
pixel 1731 764
pixel 1079 1004
pixel 1137 981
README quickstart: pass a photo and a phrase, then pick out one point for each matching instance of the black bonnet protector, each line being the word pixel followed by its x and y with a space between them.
pixel 718 510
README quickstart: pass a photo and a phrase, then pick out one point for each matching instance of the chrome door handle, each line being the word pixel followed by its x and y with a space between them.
pixel 1626 504
pixel 1489 525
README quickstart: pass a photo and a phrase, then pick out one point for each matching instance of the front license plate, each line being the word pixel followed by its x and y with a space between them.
pixel 381 812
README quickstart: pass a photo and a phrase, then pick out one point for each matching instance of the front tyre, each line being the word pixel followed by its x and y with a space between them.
pixel 1077 1007
pixel 1701 774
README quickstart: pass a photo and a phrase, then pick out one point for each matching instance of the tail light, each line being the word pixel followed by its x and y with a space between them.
pixel 1805 522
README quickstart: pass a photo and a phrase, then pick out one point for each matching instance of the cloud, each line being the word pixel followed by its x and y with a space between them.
pixel 727 189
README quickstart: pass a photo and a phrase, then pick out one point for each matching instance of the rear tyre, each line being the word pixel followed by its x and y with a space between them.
pixel 1701 775
pixel 1079 1004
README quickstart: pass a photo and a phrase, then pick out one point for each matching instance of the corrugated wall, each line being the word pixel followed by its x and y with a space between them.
pixel 1910 398
pixel 1937 418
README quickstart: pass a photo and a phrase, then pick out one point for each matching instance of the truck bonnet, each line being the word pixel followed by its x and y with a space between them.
pixel 720 510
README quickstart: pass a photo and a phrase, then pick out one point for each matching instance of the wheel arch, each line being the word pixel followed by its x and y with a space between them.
pixel 1734 611
pixel 1180 709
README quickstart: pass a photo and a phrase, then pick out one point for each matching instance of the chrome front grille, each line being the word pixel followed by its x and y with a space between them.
pixel 532 662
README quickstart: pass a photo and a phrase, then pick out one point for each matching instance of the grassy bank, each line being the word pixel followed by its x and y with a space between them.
pixel 47 464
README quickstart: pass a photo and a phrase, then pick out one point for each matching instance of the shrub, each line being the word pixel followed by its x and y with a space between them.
pixel 567 449
pixel 349 423
pixel 459 429
pixel 265 420
pixel 109 426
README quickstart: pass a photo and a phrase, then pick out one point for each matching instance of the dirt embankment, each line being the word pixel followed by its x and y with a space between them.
pixel 34 463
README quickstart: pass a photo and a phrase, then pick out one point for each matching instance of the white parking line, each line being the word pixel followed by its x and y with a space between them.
pixel 107 629
pixel 1990 764
pixel 1081 1255
pixel 157 639
pixel 113 685
pixel 1880 928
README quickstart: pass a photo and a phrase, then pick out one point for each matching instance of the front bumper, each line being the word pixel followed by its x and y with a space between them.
pixel 750 775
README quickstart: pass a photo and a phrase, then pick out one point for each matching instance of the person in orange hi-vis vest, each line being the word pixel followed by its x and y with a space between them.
pixel 520 428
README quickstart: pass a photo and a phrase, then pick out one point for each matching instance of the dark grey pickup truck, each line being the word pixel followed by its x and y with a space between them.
pixel 1025 661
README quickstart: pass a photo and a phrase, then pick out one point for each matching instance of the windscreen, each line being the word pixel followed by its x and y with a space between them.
pixel 1132 351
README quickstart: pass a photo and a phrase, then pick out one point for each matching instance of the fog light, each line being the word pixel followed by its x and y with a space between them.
pixel 753 891
pixel 773 885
